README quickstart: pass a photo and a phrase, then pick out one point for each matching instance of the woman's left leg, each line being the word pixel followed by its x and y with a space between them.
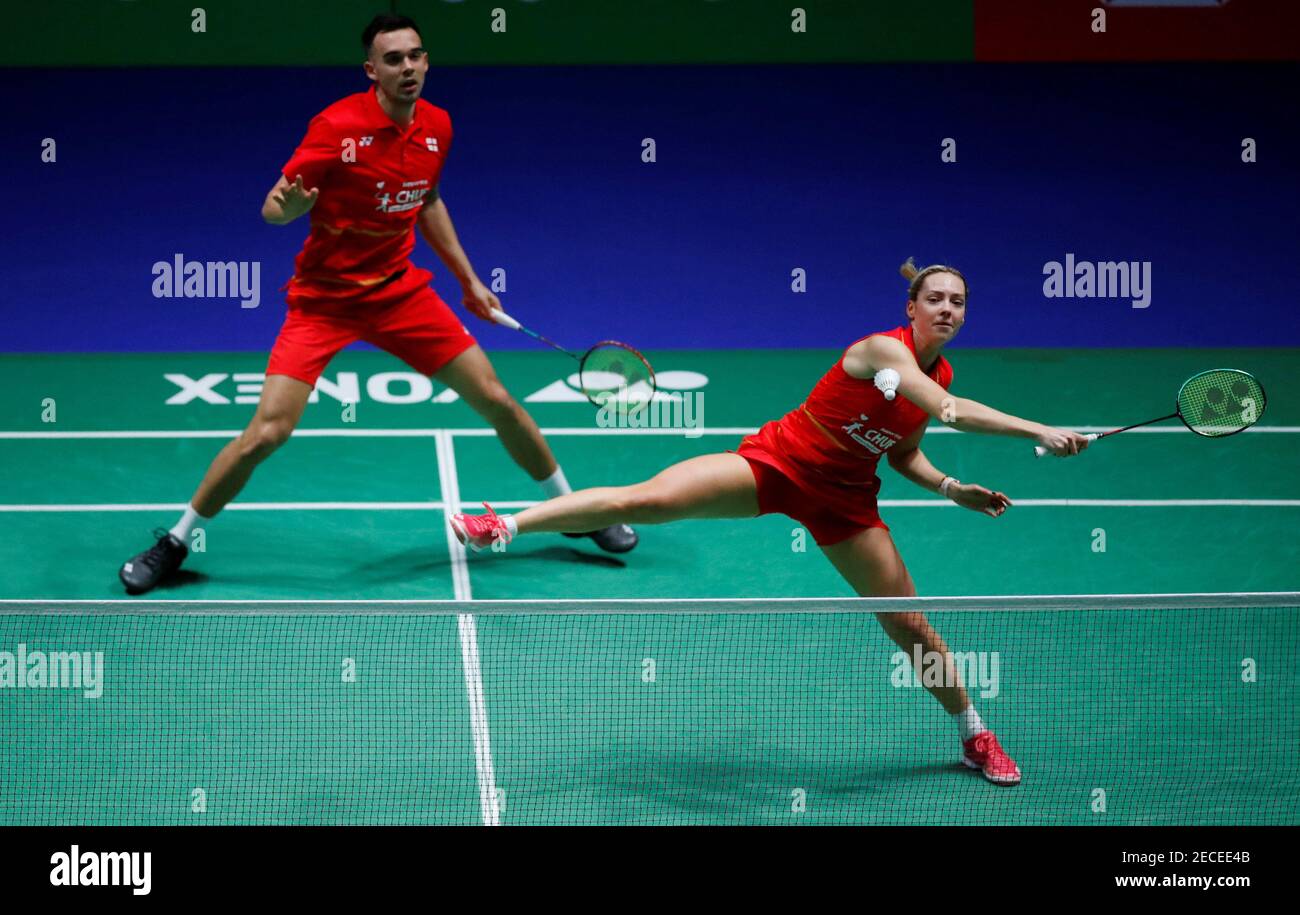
pixel 871 564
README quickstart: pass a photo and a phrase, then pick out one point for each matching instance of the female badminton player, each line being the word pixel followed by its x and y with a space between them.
pixel 817 465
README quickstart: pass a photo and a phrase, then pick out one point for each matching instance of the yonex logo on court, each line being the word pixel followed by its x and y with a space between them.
pixel 26 668
pixel 399 388
pixel 381 387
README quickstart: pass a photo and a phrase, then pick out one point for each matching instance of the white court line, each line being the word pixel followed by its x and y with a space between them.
pixel 561 430
pixel 478 719
pixel 449 484
pixel 446 507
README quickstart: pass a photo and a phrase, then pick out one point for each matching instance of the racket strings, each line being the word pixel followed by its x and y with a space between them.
pixel 614 371
pixel 1220 402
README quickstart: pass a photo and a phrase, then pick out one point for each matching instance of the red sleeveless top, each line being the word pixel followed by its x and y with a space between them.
pixel 830 445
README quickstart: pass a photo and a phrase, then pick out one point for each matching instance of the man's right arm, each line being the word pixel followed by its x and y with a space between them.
pixel 287 201
pixel 311 162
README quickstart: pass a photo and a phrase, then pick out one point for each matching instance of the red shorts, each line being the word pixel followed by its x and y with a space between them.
pixel 413 324
pixel 779 494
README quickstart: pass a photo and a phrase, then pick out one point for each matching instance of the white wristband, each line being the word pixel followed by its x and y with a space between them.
pixel 947 481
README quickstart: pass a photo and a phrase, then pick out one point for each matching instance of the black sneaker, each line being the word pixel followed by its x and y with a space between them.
pixel 143 572
pixel 617 538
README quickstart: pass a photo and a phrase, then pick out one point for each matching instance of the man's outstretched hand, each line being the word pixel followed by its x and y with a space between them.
pixel 294 200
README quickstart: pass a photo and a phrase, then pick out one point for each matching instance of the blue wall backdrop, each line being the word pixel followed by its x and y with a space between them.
pixel 761 170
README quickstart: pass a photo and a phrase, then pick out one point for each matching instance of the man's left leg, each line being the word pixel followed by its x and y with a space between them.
pixel 472 377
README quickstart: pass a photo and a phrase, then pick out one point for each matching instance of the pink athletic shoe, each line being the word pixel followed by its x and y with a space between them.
pixel 478 532
pixel 985 753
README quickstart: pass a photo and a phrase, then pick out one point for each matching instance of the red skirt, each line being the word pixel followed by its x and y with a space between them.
pixel 831 511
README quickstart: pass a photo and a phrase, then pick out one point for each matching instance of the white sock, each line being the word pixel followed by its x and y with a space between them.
pixel 511 525
pixel 969 723
pixel 555 484
pixel 188 520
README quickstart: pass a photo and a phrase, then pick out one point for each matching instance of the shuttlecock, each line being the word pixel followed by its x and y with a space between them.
pixel 887 382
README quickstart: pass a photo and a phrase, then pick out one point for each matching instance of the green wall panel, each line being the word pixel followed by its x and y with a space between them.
pixel 325 32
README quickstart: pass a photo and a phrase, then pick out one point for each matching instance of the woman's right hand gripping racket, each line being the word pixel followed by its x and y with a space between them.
pixel 1213 404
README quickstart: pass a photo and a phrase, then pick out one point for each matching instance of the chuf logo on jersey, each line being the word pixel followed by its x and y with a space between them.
pixel 876 441
pixel 408 198
pixel 431 144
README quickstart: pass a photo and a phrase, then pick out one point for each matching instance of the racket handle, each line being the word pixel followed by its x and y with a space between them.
pixel 504 319
pixel 1039 450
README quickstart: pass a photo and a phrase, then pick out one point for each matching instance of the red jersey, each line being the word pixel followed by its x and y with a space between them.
pixel 835 439
pixel 374 176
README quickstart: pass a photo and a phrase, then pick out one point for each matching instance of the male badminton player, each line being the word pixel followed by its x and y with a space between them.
pixel 367 172
pixel 818 464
